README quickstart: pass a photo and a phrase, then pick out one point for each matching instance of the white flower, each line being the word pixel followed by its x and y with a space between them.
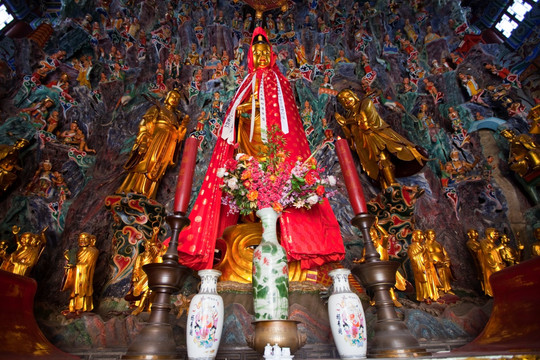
pixel 312 200
pixel 299 204
pixel 239 155
pixel 331 180
pixel 221 172
pixel 232 183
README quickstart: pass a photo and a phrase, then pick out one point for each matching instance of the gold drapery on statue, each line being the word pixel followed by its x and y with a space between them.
pixel 161 129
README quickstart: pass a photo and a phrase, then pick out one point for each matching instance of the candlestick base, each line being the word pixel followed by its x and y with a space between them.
pixel 156 341
pixel 392 338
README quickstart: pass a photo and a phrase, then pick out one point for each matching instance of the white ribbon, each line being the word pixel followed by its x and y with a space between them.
pixel 227 132
pixel 282 110
pixel 262 104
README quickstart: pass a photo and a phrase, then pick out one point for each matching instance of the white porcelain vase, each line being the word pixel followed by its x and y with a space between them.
pixel 347 319
pixel 205 318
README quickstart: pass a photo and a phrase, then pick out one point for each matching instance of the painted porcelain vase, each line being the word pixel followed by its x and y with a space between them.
pixel 205 318
pixel 347 318
pixel 270 276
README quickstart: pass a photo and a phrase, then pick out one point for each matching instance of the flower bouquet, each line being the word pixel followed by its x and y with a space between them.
pixel 272 180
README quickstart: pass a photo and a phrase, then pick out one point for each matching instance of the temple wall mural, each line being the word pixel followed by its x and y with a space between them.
pixel 449 106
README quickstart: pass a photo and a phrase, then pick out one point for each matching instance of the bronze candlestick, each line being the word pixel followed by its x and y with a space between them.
pixel 156 341
pixel 392 337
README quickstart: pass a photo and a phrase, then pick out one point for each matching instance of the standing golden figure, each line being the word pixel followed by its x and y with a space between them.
pixel 491 257
pixel 476 252
pixel 380 236
pixel 29 249
pixel 524 156
pixel 510 255
pixel 79 275
pixel 161 129
pixel 425 275
pixel 381 150
pixel 139 292
pixel 438 256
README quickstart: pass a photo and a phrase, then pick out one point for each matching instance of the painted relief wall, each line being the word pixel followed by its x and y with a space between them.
pixel 78 100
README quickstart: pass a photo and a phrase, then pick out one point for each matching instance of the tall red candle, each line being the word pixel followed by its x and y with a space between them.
pixel 185 176
pixel 352 180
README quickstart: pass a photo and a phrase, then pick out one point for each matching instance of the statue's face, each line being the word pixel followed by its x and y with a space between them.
pixel 84 240
pixel 472 234
pixel 348 99
pixel 261 56
pixel 430 235
pixel 173 98
pixel 417 236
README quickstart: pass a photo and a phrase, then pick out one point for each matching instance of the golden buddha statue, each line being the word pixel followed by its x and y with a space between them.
pixel 425 275
pixel 476 252
pixel 380 236
pixel 510 255
pixel 79 275
pixel 491 258
pixel 535 248
pixel 438 256
pixel 524 155
pixel 9 163
pixel 140 294
pixel 29 248
pixel 161 129
pixel 378 146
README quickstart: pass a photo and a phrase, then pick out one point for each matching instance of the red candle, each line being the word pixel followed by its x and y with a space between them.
pixel 352 180
pixel 185 176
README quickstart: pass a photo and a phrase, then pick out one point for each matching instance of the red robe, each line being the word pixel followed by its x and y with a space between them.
pixel 311 236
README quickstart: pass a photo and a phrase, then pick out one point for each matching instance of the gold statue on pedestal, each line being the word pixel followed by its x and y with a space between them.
pixel 378 146
pixel 9 163
pixel 476 252
pixel 491 258
pixel 425 275
pixel 79 275
pixel 3 252
pixel 140 294
pixel 524 156
pixel 510 255
pixel 380 236
pixel 161 129
pixel 438 256
pixel 29 248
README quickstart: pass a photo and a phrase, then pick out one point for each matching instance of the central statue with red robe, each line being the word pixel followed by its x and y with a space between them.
pixel 263 100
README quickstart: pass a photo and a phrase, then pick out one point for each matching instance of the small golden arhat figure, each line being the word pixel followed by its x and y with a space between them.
pixel 491 258
pixel 79 275
pixel 160 130
pixel 384 154
pixel 139 293
pixel 29 248
pixel 9 163
pixel 380 236
pixel 440 259
pixel 425 275
pixel 476 252
pixel 510 255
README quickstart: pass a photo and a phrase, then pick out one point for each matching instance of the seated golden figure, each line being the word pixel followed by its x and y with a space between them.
pixel 79 275
pixel 383 153
pixel 161 129
pixel 29 249
pixel 438 256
